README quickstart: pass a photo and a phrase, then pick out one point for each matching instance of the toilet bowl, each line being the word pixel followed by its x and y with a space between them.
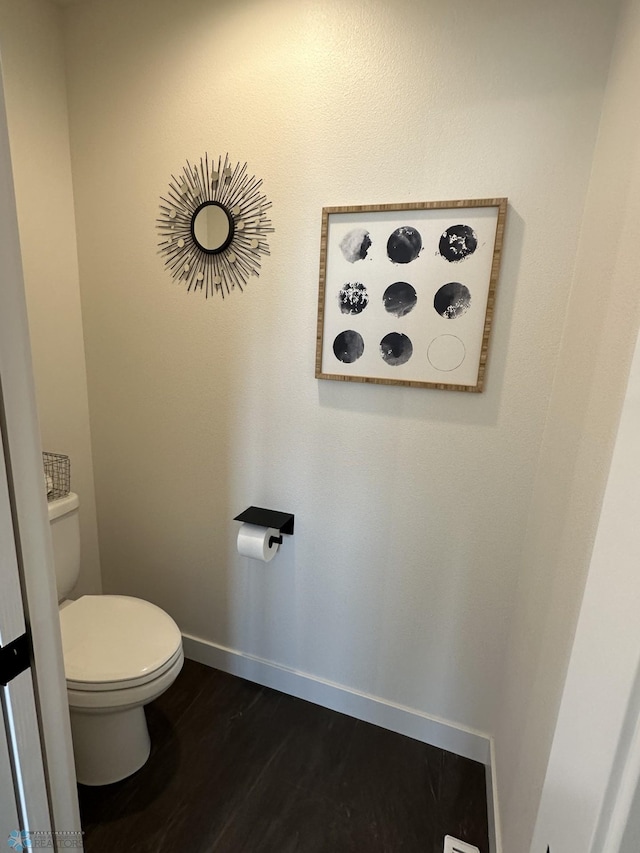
pixel 120 653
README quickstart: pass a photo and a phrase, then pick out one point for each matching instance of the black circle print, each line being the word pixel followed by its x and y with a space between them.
pixel 399 298
pixel 458 242
pixel 404 245
pixel 348 346
pixel 452 300
pixel 396 349
pixel 353 297
pixel 355 245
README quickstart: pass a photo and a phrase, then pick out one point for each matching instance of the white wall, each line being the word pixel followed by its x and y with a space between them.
pixel 35 87
pixel 410 505
pixel 597 345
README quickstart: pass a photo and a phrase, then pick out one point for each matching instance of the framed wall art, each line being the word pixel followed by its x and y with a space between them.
pixel 407 292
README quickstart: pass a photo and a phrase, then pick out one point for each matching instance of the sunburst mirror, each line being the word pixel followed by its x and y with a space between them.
pixel 213 226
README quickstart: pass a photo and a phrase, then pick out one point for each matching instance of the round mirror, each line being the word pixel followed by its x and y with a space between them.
pixel 212 227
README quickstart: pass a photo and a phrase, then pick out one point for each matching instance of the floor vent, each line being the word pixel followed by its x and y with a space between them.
pixel 454 845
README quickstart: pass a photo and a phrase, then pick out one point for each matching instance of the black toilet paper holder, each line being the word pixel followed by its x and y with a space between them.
pixel 281 521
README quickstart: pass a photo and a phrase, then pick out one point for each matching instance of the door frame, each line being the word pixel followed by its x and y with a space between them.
pixel 594 764
pixel 31 522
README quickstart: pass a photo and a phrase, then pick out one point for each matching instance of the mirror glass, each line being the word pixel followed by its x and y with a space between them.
pixel 212 227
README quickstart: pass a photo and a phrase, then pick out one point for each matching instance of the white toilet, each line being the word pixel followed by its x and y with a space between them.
pixel 120 653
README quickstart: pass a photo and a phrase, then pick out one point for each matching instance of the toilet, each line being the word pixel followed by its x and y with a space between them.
pixel 120 653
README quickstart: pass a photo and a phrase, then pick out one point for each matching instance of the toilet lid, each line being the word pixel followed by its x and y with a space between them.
pixel 116 638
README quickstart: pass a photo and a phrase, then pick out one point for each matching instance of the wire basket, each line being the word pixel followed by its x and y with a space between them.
pixel 57 475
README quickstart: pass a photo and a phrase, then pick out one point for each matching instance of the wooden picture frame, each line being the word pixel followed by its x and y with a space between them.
pixel 407 292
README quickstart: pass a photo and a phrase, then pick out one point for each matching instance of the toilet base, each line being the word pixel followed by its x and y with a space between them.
pixel 109 746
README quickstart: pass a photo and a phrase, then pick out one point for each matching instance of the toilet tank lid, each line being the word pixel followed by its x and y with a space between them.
pixel 63 506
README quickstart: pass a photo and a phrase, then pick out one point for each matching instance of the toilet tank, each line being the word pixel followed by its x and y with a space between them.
pixel 65 533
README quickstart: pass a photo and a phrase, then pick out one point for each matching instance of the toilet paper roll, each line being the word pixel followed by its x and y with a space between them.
pixel 253 541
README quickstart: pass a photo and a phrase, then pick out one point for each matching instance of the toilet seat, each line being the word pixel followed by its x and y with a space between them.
pixel 114 642
pixel 104 686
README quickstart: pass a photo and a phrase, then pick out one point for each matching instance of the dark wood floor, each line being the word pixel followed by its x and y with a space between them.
pixel 238 768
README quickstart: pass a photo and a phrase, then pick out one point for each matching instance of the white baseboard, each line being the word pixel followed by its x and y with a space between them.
pixel 371 709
